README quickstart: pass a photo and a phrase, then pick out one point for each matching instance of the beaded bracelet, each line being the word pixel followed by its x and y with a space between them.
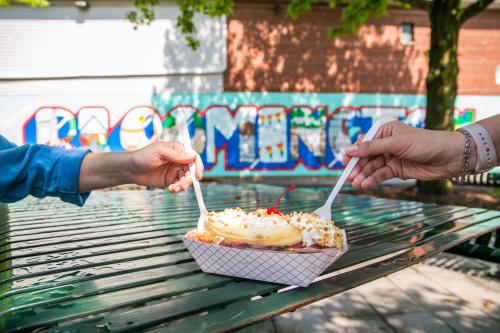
pixel 465 168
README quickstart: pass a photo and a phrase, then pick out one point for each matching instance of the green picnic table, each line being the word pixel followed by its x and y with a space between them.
pixel 119 265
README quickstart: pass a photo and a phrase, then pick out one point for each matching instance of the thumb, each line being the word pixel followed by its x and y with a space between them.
pixel 372 148
pixel 179 157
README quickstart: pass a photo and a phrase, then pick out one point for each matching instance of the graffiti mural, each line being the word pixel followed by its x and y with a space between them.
pixel 464 117
pixel 55 126
pixel 140 126
pixel 232 136
pixel 93 127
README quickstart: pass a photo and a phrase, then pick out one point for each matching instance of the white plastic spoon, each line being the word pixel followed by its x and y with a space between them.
pixel 185 139
pixel 325 211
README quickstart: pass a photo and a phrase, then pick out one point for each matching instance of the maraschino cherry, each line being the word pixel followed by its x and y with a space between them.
pixel 274 210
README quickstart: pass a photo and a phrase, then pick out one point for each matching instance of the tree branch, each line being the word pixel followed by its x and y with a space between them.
pixel 420 4
pixel 473 9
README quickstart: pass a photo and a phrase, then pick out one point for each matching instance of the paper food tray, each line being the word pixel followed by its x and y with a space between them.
pixel 284 267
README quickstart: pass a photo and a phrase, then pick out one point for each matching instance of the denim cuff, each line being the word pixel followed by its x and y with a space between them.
pixel 68 171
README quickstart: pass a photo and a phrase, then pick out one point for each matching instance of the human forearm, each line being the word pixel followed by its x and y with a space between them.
pixel 101 170
pixel 160 164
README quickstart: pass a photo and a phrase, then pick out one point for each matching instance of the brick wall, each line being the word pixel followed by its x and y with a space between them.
pixel 267 52
pixel 479 54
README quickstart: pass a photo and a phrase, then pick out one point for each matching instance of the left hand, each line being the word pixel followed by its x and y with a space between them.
pixel 164 164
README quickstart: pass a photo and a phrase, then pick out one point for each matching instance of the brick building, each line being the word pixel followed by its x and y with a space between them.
pixel 267 52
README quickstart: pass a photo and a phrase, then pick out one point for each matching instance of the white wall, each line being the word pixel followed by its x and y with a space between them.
pixel 19 100
pixel 63 56
pixel 63 41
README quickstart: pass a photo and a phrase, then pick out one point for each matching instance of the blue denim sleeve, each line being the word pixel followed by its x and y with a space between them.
pixel 41 171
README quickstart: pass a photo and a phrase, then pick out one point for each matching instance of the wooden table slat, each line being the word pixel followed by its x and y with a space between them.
pixel 61 311
pixel 84 288
pixel 395 225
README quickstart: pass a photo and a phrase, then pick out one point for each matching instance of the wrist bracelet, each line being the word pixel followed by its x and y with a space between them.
pixel 465 166
pixel 486 153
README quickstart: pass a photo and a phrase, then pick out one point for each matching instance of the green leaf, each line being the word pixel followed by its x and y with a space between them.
pixel 355 13
pixel 189 8
pixel 31 3
pixel 297 7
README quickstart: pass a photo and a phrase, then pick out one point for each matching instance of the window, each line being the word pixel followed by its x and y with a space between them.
pixel 497 75
pixel 407 36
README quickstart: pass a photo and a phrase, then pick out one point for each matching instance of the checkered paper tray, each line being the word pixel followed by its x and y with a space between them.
pixel 284 267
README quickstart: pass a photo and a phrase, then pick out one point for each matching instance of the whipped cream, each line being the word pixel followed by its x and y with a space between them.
pixel 257 219
pixel 314 230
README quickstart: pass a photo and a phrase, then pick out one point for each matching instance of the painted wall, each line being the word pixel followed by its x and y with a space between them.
pixel 70 58
pixel 237 134
pixel 62 41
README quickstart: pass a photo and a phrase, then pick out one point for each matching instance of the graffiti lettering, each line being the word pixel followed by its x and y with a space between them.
pixel 253 137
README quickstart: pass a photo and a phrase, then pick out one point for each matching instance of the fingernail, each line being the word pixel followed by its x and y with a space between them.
pixel 352 148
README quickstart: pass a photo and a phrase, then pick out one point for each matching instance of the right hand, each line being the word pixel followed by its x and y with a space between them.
pixel 163 164
pixel 160 164
pixel 405 152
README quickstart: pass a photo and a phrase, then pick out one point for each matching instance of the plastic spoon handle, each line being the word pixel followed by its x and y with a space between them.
pixel 352 163
pixel 186 141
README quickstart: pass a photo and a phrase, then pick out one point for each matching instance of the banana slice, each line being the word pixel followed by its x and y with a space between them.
pixel 242 231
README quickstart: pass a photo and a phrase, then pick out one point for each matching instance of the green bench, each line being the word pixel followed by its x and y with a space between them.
pixel 485 247
pixel 491 178
pixel 118 264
